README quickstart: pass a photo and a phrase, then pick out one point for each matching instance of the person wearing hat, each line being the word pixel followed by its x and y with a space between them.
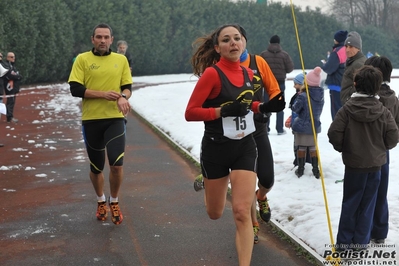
pixel 265 84
pixel 355 60
pixel 302 125
pixel 335 67
pixel 299 81
pixel 280 63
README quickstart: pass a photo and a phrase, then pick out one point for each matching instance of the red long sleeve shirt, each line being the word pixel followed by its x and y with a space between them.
pixel 209 86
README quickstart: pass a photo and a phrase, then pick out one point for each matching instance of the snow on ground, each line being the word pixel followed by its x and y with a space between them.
pixel 298 204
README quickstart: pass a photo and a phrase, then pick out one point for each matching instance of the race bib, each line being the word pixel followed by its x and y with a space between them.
pixel 238 127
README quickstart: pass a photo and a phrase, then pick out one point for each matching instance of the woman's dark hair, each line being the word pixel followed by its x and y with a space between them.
pixel 367 80
pixel 205 54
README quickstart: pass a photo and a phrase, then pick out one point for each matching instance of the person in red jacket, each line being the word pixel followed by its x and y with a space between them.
pixel 222 98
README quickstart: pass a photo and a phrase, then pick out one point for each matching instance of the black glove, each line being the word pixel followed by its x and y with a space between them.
pixel 277 104
pixel 236 108
pixel 262 118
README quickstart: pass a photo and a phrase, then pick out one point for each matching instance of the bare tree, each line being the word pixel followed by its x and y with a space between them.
pixel 379 13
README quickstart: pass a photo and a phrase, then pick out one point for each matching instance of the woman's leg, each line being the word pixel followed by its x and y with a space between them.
pixel 265 173
pixel 215 196
pixel 243 184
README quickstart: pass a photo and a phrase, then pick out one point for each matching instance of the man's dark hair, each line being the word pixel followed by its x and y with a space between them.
pixel 368 80
pixel 103 26
pixel 383 64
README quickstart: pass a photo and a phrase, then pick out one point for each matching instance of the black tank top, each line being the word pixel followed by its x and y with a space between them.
pixel 259 95
pixel 228 93
pixel 259 91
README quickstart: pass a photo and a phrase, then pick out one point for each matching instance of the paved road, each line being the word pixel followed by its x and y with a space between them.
pixel 48 204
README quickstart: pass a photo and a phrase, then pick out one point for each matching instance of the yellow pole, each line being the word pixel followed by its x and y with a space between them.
pixel 314 133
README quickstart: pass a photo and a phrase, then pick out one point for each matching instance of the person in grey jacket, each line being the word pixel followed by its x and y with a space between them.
pixel 355 59
pixel 363 130
pixel 280 63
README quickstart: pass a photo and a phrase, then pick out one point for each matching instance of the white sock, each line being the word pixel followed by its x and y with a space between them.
pixel 101 199
pixel 111 199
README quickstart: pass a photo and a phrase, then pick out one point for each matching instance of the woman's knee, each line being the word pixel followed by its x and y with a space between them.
pixel 242 212
pixel 214 214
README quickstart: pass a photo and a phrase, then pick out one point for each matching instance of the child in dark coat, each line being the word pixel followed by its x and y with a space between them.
pixel 363 130
pixel 388 98
pixel 298 84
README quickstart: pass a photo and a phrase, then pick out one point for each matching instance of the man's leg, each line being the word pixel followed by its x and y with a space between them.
pixel 115 137
pixel 115 180
pixel 280 115
pixel 98 183
pixel 10 103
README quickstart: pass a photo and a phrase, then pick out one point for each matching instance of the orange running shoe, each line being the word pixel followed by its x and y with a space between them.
pixel 102 211
pixel 116 213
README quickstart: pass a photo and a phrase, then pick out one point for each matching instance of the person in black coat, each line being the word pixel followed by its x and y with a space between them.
pixel 11 85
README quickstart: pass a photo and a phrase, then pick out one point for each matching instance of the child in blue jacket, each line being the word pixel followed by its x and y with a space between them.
pixel 302 125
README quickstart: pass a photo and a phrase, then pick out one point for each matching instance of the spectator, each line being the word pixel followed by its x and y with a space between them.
pixel 298 84
pixel 122 49
pixel 302 124
pixel 363 130
pixel 335 67
pixel 379 231
pixel 12 86
pixel 105 92
pixel 354 60
pixel 3 71
pixel 280 63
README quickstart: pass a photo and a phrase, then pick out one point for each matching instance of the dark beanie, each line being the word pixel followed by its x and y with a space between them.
pixel 340 36
pixel 243 32
pixel 275 39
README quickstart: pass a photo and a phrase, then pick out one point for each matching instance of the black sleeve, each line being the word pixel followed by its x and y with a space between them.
pixel 293 100
pixel 126 87
pixel 77 89
pixel 11 76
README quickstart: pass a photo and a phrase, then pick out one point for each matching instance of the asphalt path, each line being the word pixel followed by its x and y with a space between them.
pixel 48 205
